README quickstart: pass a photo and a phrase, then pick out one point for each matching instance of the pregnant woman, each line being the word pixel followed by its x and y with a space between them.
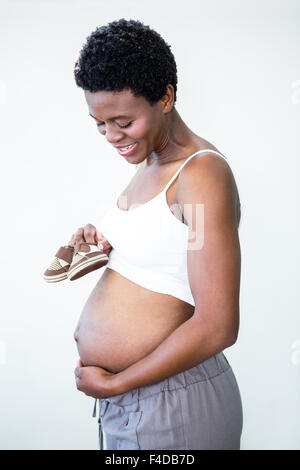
pixel 152 332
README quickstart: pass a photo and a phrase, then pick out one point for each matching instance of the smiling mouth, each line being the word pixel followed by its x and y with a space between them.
pixel 125 151
pixel 126 147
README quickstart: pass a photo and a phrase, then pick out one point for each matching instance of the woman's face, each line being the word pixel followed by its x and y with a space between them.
pixel 125 119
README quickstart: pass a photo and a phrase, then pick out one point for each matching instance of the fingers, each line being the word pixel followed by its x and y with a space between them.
pixel 77 237
pixel 78 368
pixel 90 234
pixel 83 234
pixel 99 235
pixel 103 244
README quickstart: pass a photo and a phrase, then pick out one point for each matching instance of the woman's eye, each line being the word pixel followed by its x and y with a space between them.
pixel 127 125
pixel 122 127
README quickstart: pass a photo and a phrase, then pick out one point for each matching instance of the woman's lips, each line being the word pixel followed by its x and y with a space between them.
pixel 126 153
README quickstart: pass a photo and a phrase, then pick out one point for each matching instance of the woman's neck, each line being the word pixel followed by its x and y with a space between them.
pixel 174 141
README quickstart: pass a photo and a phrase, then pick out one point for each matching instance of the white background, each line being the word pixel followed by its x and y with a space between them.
pixel 238 87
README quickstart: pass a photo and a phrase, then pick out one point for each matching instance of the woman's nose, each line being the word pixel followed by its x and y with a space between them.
pixel 113 136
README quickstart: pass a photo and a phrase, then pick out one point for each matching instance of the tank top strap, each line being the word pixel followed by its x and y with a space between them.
pixel 185 162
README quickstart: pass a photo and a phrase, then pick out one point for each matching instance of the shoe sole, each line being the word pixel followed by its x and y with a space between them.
pixel 57 278
pixel 87 266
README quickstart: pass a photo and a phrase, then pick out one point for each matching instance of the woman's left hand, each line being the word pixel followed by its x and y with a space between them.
pixel 94 381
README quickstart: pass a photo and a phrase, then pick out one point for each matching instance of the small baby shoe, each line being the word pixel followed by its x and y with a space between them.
pixel 86 258
pixel 58 269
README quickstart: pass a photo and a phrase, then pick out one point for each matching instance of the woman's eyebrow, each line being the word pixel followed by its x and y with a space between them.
pixel 111 119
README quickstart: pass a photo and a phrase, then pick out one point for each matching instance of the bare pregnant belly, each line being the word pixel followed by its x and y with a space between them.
pixel 122 322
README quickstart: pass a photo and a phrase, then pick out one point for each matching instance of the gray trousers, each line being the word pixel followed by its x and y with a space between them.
pixel 197 409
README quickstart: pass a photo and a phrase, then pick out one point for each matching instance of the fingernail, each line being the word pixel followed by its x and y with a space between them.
pixel 101 246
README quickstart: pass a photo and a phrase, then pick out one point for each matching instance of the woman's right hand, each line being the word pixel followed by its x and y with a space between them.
pixel 90 234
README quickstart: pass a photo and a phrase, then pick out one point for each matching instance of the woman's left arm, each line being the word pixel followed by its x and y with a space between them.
pixel 208 195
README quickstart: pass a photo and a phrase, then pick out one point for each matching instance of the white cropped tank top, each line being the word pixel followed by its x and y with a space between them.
pixel 150 244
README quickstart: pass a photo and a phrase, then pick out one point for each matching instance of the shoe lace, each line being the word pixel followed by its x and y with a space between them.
pixel 58 263
pixel 78 257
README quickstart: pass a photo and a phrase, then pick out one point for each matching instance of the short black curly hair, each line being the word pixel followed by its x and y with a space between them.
pixel 126 54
